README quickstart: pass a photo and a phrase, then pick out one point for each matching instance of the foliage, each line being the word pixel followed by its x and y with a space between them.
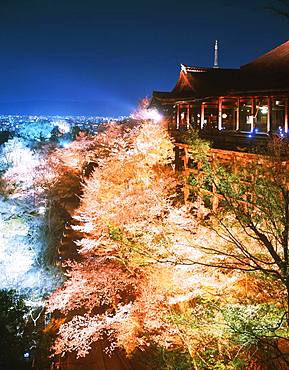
pixel 21 342
pixel 23 270
pixel 17 163
pixel 256 200
pixel 162 359
pixel 122 200
pixel 252 219
pixel 22 247
pixel 12 323
pixel 249 323
pixel 198 147
pixel 30 132
pixel 142 279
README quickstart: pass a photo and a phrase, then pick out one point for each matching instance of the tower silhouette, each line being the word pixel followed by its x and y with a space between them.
pixel 216 56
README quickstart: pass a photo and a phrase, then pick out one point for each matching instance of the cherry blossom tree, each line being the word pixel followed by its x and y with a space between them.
pixel 140 281
pixel 122 204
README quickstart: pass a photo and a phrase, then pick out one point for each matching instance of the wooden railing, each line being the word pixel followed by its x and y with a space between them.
pixel 186 166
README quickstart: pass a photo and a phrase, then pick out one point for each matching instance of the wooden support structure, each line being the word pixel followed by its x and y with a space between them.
pixel 238 115
pixel 220 100
pixel 202 115
pixel 252 115
pixel 188 117
pixel 286 116
pixel 269 114
pixel 236 161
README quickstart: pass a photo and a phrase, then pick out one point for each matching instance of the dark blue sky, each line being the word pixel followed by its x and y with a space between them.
pixel 91 57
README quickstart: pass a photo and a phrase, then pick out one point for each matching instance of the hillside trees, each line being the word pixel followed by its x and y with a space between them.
pixel 15 341
pixel 63 171
pixel 253 221
pixel 23 344
pixel 142 280
pixel 257 196
pixel 125 286
pixel 25 278
pixel 121 208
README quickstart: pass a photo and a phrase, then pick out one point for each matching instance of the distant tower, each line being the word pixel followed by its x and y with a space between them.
pixel 216 56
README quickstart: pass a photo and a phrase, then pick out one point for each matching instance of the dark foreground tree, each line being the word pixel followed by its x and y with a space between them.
pixel 14 345
pixel 23 345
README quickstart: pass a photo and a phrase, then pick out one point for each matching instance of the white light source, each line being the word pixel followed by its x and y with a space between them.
pixel 264 109
pixel 41 210
pixel 147 114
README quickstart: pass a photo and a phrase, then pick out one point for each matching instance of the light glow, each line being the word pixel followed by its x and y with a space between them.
pixel 63 126
pixel 148 114
pixel 41 210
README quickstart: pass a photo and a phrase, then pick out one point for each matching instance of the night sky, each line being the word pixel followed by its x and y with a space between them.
pixel 96 58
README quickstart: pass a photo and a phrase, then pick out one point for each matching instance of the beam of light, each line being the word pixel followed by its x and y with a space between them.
pixel 148 114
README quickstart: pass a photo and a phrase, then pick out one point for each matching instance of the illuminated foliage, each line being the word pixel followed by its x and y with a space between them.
pixel 22 222
pixel 256 204
pixel 120 216
pixel 31 132
pixel 142 279
pixel 252 219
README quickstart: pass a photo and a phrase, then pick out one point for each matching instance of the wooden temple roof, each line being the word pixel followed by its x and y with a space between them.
pixel 275 59
pixel 267 74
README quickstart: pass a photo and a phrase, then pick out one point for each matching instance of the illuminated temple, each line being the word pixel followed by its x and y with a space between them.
pixel 231 107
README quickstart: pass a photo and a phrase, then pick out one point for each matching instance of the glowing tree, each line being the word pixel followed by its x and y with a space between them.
pixel 140 281
pixel 119 216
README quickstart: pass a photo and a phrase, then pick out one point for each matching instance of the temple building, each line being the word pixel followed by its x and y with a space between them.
pixel 231 106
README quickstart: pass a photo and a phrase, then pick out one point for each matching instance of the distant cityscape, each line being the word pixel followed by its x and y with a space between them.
pixel 13 123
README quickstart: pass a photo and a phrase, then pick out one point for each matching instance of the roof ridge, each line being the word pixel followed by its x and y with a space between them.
pixel 276 56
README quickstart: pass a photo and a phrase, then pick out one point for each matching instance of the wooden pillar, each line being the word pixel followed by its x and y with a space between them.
pixel 269 114
pixel 178 117
pixel 238 115
pixel 286 116
pixel 202 115
pixel 252 114
pixel 215 199
pixel 188 116
pixel 220 114
pixel 186 174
